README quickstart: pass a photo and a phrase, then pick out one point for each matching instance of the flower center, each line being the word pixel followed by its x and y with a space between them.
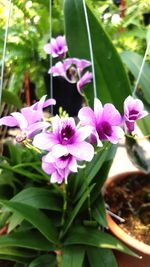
pixel 106 128
pixel 133 114
pixel 63 158
pixel 72 74
pixel 66 133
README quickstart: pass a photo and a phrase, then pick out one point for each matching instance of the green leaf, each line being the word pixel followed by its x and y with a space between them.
pixel 75 211
pixel 26 239
pixel 22 171
pixel 73 256
pixel 101 257
pixel 92 168
pixel 18 252
pixel 35 217
pixel 40 198
pixel 134 62
pixel 14 220
pixel 14 258
pixel 144 125
pixel 148 39
pixel 45 260
pixel 11 99
pixel 99 212
pixel 93 237
pixel 111 79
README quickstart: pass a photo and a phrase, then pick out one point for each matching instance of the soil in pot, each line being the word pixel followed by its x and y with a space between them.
pixel 130 199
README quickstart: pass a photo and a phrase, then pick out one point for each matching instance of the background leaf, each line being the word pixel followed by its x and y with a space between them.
pixel 134 62
pixel 11 99
pixel 111 78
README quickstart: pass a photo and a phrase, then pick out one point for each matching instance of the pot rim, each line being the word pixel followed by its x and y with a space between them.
pixel 114 227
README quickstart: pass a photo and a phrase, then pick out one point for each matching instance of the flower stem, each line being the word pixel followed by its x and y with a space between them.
pixel 65 203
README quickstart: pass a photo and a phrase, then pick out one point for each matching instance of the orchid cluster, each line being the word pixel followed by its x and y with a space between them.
pixel 64 143
pixel 71 69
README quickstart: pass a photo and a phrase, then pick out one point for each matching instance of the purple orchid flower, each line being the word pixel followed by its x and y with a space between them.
pixel 66 139
pixel 57 175
pixel 29 120
pixel 59 168
pixel 106 122
pixel 57 47
pixel 72 70
pixel 133 111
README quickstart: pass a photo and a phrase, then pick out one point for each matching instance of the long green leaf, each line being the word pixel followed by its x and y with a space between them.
pixel 99 212
pixel 101 257
pixel 73 256
pixel 26 239
pixel 111 79
pixel 35 217
pixel 14 258
pixel 39 198
pixel 25 253
pixel 45 260
pixel 36 197
pixel 93 237
pixel 22 172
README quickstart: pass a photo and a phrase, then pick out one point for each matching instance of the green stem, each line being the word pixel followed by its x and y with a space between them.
pixel 65 204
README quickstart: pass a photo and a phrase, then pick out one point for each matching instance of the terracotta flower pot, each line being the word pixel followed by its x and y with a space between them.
pixel 137 246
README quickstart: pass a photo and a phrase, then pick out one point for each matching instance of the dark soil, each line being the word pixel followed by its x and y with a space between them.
pixel 130 199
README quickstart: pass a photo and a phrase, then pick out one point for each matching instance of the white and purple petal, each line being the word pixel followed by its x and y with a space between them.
pixel 9 121
pixel 82 151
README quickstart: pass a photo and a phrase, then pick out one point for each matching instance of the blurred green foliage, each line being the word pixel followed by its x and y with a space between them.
pixel 28 32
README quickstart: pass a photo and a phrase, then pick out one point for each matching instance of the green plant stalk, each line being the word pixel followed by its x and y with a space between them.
pixel 65 204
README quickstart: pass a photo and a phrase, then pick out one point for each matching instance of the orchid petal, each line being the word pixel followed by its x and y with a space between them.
pixel 87 116
pixel 83 133
pixel 8 121
pixel 111 114
pixel 22 122
pixel 47 167
pixel 82 151
pixel 59 150
pixel 98 109
pixel 44 141
pixel 117 134
pixel 73 165
pixel 35 127
pixel 56 178
pixel 31 115
pixel 49 102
